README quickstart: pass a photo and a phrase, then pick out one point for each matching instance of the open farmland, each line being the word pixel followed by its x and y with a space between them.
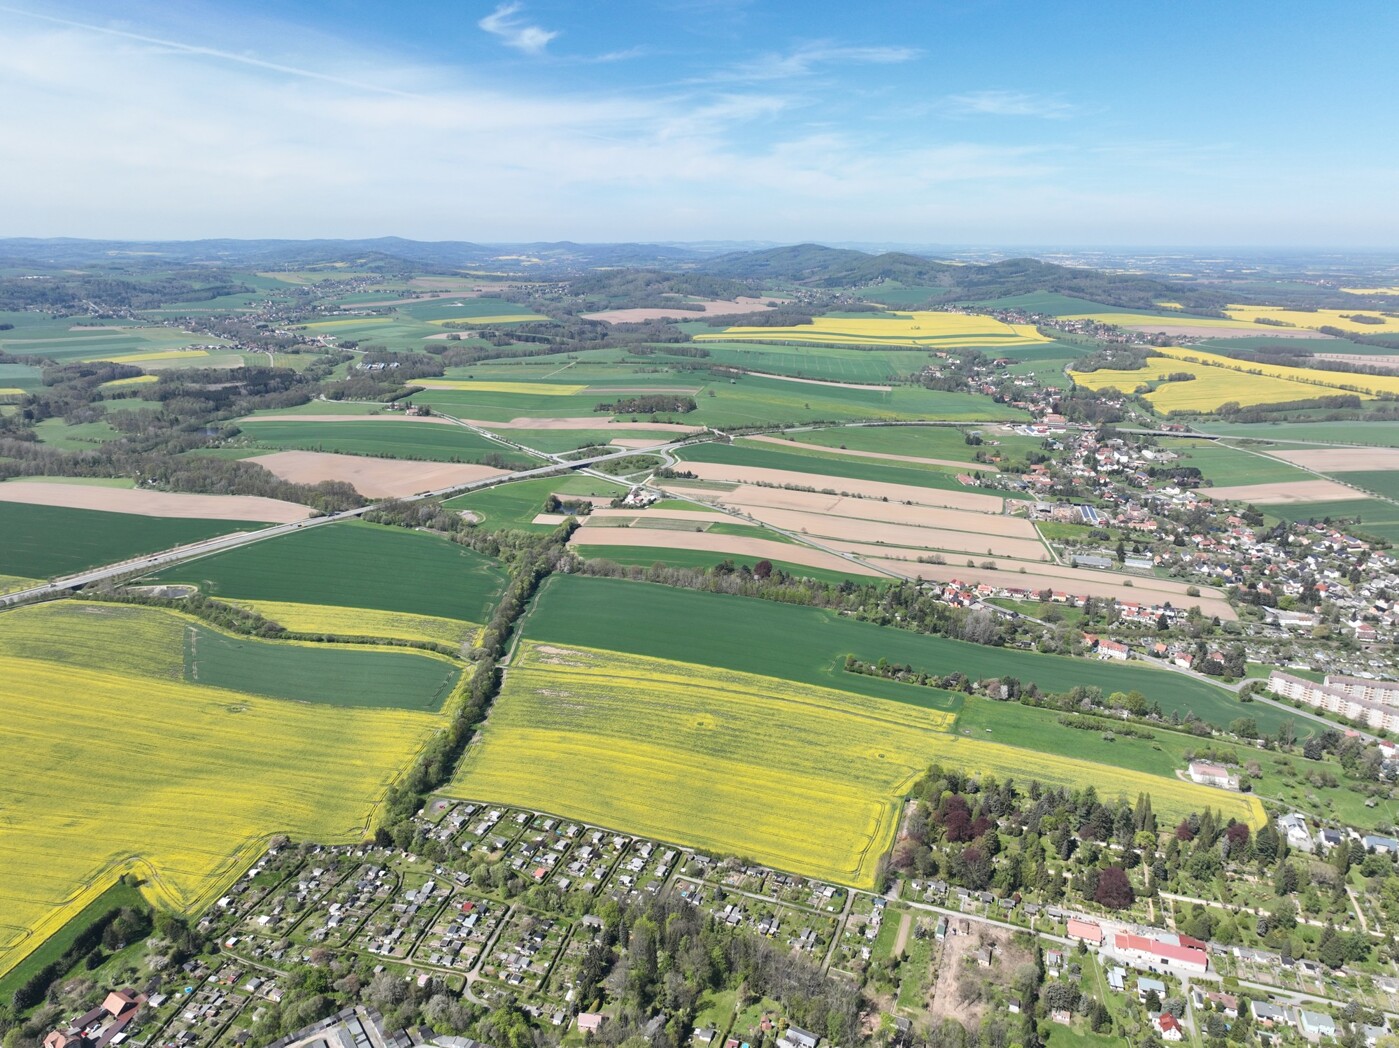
pixel 147 503
pixel 1221 464
pixel 1323 383
pixel 626 738
pixel 373 477
pixel 1287 492
pixel 810 645
pixel 929 330
pixel 1318 318
pixel 955 497
pixel 595 540
pixel 940 442
pixel 158 643
pixel 352 565
pixel 1210 387
pixel 399 438
pixel 629 736
pixel 1341 460
pixel 47 541
pixel 515 505
pixel 219 773
pixel 796 458
pixel 363 622
pixel 1367 515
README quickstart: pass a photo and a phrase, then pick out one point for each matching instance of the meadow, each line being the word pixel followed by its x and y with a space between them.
pixel 46 541
pixel 825 363
pixel 218 773
pixel 741 763
pixel 930 330
pixel 426 441
pixel 810 644
pixel 352 565
pixel 1371 516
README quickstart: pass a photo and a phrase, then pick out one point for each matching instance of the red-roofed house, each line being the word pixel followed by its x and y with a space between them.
pixel 1169 1026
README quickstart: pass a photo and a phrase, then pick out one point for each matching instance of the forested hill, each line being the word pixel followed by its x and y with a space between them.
pixel 824 267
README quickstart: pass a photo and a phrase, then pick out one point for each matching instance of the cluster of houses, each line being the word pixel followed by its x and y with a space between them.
pixel 108 1024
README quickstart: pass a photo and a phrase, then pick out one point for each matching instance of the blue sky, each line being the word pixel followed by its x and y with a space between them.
pixel 958 122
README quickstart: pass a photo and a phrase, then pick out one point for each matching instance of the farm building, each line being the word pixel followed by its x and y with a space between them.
pixel 1085 931
pixel 1179 950
pixel 1208 773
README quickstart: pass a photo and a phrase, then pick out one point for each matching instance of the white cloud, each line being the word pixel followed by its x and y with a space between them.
pixel 806 59
pixel 514 32
pixel 1008 103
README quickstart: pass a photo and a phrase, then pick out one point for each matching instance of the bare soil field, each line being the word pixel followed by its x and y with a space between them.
pixel 552 519
pixel 711 308
pixel 633 442
pixel 968 500
pixel 963 466
pixel 954 963
pixel 866 532
pixel 1284 494
pixel 751 499
pixel 1342 460
pixel 388 416
pixel 1078 581
pixel 146 503
pixel 372 477
pixel 721 545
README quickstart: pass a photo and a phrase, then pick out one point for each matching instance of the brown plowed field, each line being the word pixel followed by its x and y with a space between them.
pixel 720 545
pixel 146 503
pixel 868 533
pixel 373 478
pixel 1342 460
pixel 711 308
pixel 968 500
pixel 757 500
pixel 1286 493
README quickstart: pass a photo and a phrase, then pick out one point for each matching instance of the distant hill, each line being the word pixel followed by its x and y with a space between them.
pixel 825 267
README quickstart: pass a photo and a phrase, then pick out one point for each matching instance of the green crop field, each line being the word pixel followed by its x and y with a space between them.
pixel 353 565
pixel 159 644
pixel 515 505
pixel 44 541
pixel 431 441
pixel 1381 481
pixel 1227 466
pixel 940 442
pixel 1377 434
pixel 1371 516
pixel 811 460
pixel 827 363
pixel 332 674
pixel 810 645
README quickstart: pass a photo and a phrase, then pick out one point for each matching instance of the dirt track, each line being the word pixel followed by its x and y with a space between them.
pixel 146 503
pixel 372 477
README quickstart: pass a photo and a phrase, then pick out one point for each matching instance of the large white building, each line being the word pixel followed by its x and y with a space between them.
pixel 1371 702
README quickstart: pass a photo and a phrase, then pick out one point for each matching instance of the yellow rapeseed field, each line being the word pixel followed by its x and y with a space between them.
pixel 135 380
pixel 181 783
pixel 933 330
pixel 1220 379
pixel 11 391
pixel 803 778
pixel 1150 322
pixel 318 324
pixel 14 582
pixel 1371 290
pixel 539 389
pixel 1315 319
pixel 363 622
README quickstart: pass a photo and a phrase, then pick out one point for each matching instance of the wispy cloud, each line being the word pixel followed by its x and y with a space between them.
pixel 1008 103
pixel 516 32
pixel 808 58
